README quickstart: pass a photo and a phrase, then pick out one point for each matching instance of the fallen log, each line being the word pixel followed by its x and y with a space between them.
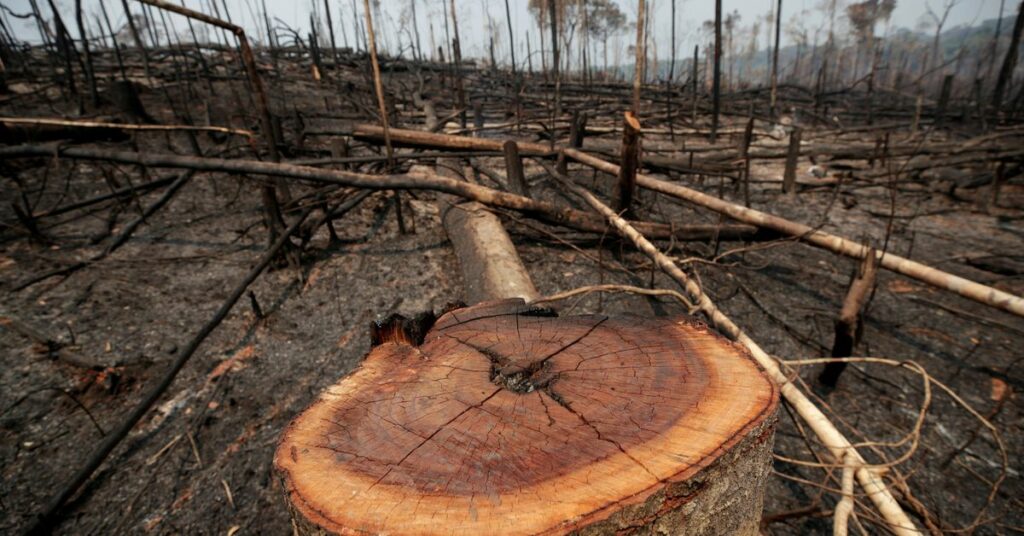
pixel 964 287
pixel 542 210
pixel 838 445
pixel 836 244
pixel 36 129
pixel 507 420
pixel 491 268
pixel 13 132
pixel 420 139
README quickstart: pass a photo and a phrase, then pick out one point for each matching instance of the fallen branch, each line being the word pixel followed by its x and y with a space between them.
pixel 53 346
pixel 969 289
pixel 119 241
pixel 844 508
pixel 422 180
pixel 691 309
pixel 71 126
pixel 827 432
pixel 418 138
pixel 45 521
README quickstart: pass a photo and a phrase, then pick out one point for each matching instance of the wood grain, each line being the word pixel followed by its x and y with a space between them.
pixel 509 420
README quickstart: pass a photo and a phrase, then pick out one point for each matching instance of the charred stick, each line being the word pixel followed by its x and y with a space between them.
pixel 119 241
pixel 45 521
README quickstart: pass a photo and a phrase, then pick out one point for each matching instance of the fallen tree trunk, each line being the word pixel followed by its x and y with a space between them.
pixel 419 138
pixel 506 420
pixel 37 129
pixel 830 436
pixel 964 287
pixel 12 132
pixel 491 267
pixel 548 212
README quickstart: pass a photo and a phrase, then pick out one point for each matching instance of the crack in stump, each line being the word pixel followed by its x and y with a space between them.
pixel 562 402
pixel 524 380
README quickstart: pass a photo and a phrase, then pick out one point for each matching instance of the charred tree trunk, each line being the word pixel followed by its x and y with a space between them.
pixel 416 31
pixel 137 38
pixel 457 58
pixel 1006 72
pixel 553 15
pixel 641 56
pixel 330 30
pixel 514 169
pixel 693 82
pixel 789 175
pixel 90 70
pixel 775 59
pixel 848 325
pixel 717 81
pixel 626 186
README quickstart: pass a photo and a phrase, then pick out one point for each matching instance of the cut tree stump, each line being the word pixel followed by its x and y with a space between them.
pixel 505 419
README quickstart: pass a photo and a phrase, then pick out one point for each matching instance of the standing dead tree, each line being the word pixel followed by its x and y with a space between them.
pixel 775 60
pixel 717 81
pixel 555 68
pixel 1010 61
pixel 272 212
pixel 378 85
pixel 641 56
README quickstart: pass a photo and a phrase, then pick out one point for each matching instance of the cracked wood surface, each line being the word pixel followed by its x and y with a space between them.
pixel 508 419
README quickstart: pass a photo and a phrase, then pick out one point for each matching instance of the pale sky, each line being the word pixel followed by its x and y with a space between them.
pixel 473 26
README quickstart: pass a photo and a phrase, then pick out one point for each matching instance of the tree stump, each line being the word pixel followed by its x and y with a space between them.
pixel 503 418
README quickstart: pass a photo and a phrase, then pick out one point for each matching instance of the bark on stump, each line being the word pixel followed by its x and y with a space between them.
pixel 508 420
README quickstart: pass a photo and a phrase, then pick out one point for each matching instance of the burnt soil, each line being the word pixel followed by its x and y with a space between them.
pixel 201 461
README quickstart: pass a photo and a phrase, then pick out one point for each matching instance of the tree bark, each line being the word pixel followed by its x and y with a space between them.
pixel 630 159
pixel 490 265
pixel 848 324
pixel 789 175
pixel 514 169
pixel 553 14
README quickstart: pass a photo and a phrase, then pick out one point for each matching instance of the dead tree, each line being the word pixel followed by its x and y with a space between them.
pixel 514 169
pixel 717 81
pixel 641 56
pixel 457 59
pixel 1010 61
pixel 553 14
pixel 789 175
pixel 378 85
pixel 511 42
pixel 417 48
pixel 330 30
pixel 90 70
pixel 775 58
pixel 272 211
pixel 848 325
pixel 630 157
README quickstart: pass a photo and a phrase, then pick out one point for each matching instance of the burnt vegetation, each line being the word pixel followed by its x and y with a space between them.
pixel 204 225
